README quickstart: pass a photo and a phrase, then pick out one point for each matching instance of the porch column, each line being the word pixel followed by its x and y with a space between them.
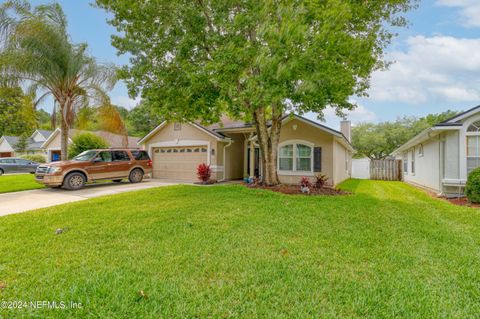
pixel 252 159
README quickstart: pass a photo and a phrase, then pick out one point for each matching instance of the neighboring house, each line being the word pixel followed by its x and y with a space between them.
pixel 441 157
pixel 8 144
pixel 306 148
pixel 52 145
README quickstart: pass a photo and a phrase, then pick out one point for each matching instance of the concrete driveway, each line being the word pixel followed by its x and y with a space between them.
pixel 17 202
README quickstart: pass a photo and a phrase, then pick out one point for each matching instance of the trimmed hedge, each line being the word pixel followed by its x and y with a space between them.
pixel 84 142
pixel 472 188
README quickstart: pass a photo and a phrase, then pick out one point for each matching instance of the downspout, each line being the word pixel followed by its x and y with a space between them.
pixel 224 159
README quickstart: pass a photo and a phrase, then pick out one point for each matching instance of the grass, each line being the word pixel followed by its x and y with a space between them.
pixel 388 251
pixel 18 182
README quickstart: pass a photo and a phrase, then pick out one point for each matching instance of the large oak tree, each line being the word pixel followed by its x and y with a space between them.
pixel 250 59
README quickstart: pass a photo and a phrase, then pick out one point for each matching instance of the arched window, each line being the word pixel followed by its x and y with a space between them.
pixel 473 146
pixel 295 157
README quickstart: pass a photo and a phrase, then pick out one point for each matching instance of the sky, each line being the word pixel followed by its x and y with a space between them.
pixel 436 61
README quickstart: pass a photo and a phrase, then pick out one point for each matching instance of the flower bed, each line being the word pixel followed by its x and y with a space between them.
pixel 295 189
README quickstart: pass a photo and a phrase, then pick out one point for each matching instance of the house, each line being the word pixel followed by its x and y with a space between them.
pixel 306 148
pixel 8 144
pixel 441 157
pixel 52 146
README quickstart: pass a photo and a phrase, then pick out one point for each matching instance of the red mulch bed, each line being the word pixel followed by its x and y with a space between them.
pixel 462 201
pixel 295 190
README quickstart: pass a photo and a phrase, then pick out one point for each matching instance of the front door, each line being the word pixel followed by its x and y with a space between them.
pixel 55 156
pixel 256 161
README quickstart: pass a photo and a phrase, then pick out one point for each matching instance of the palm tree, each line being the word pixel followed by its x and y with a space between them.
pixel 36 50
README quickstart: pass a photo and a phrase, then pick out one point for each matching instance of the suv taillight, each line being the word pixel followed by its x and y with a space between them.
pixel 149 163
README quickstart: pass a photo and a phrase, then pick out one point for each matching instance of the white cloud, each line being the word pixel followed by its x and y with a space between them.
pixel 432 69
pixel 469 10
pixel 125 101
pixel 358 115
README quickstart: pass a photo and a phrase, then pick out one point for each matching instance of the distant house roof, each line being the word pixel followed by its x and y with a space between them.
pixel 113 140
pixel 31 144
pixel 45 133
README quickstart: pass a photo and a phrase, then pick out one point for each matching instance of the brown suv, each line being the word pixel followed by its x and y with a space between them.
pixel 93 165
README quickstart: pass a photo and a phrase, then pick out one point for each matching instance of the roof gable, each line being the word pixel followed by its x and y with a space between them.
pixel 157 129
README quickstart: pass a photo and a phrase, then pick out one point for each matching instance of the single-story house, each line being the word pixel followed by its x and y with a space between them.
pixel 52 145
pixel 8 144
pixel 305 148
pixel 441 157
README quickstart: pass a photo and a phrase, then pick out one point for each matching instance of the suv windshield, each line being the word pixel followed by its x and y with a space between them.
pixel 85 156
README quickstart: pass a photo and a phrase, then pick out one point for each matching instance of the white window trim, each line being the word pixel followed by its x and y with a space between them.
pixel 294 172
pixel 421 152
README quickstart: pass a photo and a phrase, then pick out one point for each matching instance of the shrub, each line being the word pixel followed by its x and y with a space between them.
pixel 85 141
pixel 204 172
pixel 472 188
pixel 320 180
pixel 38 158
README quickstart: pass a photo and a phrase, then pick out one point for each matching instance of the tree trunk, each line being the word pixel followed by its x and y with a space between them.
pixel 268 142
pixel 64 140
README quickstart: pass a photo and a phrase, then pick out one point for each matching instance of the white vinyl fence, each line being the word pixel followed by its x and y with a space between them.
pixel 361 168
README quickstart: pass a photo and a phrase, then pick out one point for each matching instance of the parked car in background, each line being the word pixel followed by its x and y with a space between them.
pixel 93 165
pixel 17 165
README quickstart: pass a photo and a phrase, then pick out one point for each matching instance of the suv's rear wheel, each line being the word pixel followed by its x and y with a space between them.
pixel 74 181
pixel 136 176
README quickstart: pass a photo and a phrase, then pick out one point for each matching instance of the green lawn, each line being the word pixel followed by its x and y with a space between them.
pixel 388 251
pixel 18 182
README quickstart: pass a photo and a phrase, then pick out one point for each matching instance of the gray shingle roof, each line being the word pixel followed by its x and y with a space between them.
pixel 31 144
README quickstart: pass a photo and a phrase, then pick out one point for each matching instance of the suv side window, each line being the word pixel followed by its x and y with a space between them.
pixel 105 156
pixel 120 156
pixel 140 155
pixel 9 161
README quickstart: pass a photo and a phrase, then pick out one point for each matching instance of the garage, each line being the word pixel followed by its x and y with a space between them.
pixel 178 162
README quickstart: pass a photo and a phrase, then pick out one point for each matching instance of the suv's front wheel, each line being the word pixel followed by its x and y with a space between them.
pixel 74 181
pixel 136 176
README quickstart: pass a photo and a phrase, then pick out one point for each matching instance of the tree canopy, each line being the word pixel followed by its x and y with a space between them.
pixel 37 52
pixel 377 141
pixel 254 60
pixel 17 117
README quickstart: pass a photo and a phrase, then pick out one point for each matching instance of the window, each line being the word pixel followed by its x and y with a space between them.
pixel 413 161
pixel 120 156
pixel 140 155
pixel 420 150
pixel 304 158
pixel 473 152
pixel 286 158
pixel 473 146
pixel 405 163
pixel 104 157
pixel 295 157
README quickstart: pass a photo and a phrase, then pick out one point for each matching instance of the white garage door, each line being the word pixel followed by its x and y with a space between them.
pixel 178 162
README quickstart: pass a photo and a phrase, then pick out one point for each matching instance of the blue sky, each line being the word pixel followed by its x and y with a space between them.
pixel 437 60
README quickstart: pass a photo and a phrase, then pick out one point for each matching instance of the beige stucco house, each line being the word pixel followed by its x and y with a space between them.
pixel 52 146
pixel 306 148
